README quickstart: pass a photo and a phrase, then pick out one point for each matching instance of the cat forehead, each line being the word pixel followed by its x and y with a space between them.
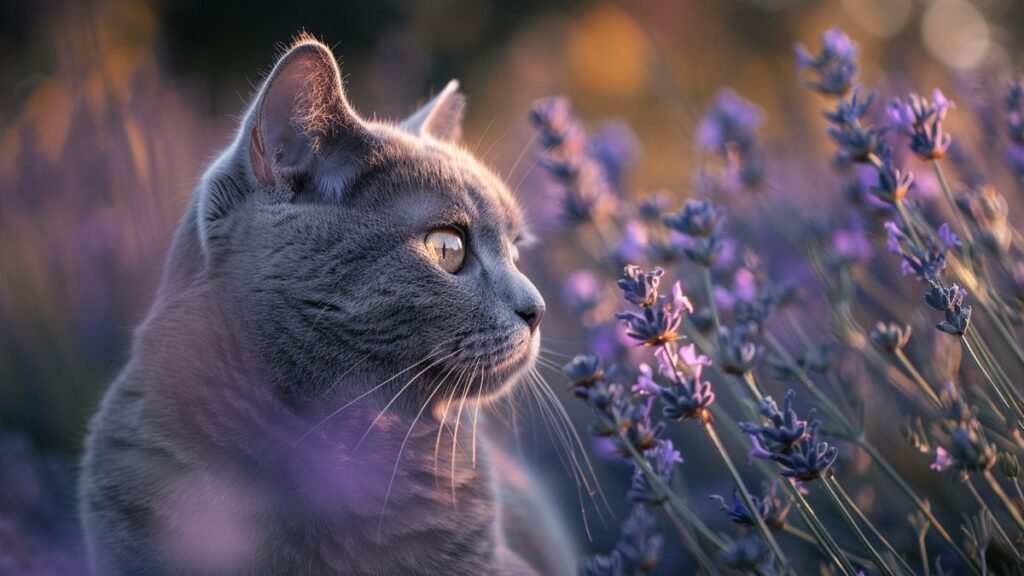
pixel 405 168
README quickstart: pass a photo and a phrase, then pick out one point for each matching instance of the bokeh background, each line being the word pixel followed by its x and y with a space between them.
pixel 111 109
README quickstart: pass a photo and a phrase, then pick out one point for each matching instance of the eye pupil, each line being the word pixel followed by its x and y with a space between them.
pixel 445 247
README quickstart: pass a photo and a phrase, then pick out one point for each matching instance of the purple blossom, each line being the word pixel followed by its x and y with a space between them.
pixel 1013 103
pixel 857 142
pixel 948 237
pixel 645 384
pixel 834 67
pixel 731 121
pixel 639 287
pixel 582 291
pixel 585 189
pixel 942 460
pixel 662 460
pixel 921 120
pixel 615 148
pixel 697 219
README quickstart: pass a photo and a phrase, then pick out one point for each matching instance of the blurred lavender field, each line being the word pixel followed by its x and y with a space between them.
pixel 113 108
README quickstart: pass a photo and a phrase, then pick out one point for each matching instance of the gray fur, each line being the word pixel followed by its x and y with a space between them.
pixel 297 283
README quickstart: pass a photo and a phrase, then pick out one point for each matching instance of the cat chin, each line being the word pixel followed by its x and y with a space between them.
pixel 509 373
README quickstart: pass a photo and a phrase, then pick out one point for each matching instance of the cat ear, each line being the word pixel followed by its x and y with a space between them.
pixel 441 118
pixel 301 107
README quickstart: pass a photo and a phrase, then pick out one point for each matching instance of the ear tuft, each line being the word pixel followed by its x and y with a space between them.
pixel 302 104
pixel 441 117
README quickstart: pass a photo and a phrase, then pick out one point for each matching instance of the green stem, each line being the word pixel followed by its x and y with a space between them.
pixel 690 541
pixel 848 501
pixel 810 539
pixel 748 501
pixel 985 510
pixel 677 504
pixel 838 558
pixel 1004 498
pixel 751 382
pixel 710 291
pixel 918 379
pixel 852 524
pixel 902 210
pixel 921 504
pixel 1015 410
pixel 964 230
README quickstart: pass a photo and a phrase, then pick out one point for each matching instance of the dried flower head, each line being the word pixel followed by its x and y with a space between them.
pixel 891 336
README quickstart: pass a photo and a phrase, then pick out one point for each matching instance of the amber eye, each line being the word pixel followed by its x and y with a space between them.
pixel 446 248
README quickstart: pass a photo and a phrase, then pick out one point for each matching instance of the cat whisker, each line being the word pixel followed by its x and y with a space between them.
pixel 571 467
pixel 476 418
pixel 458 419
pixel 368 392
pixel 495 143
pixel 567 423
pixel 399 393
pixel 401 449
pixel 483 135
pixel 444 422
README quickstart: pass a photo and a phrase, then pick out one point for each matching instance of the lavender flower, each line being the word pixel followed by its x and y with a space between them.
pixel 790 442
pixel 653 326
pixel 893 184
pixel 659 318
pixel 662 460
pixel 927 264
pixel 950 301
pixel 948 237
pixel 582 291
pixel 1013 103
pixel 747 555
pixel 786 427
pixel 857 142
pixel 969 450
pixel 583 372
pixel 586 193
pixel 601 565
pixel 731 121
pixel 921 120
pixel 891 336
pixel 639 543
pixel 834 68
pixel 769 507
pixel 737 350
pixel 689 398
pixel 697 219
pixel 615 148
pixel 639 287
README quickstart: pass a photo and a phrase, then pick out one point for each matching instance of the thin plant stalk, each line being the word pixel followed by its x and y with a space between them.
pixel 985 509
pixel 872 451
pixel 848 501
pixel 852 523
pixel 997 489
pixel 748 501
pixel 840 559
pixel 673 498
pixel 918 379
pixel 712 306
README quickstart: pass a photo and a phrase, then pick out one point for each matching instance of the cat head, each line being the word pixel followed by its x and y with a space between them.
pixel 355 251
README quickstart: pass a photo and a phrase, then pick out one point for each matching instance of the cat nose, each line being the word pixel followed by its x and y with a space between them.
pixel 532 314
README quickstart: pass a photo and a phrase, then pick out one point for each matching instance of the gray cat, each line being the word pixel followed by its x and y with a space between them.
pixel 303 396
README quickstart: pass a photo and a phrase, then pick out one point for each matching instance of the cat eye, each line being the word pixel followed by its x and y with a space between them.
pixel 445 246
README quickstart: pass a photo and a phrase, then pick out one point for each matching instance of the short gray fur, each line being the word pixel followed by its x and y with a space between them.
pixel 297 284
